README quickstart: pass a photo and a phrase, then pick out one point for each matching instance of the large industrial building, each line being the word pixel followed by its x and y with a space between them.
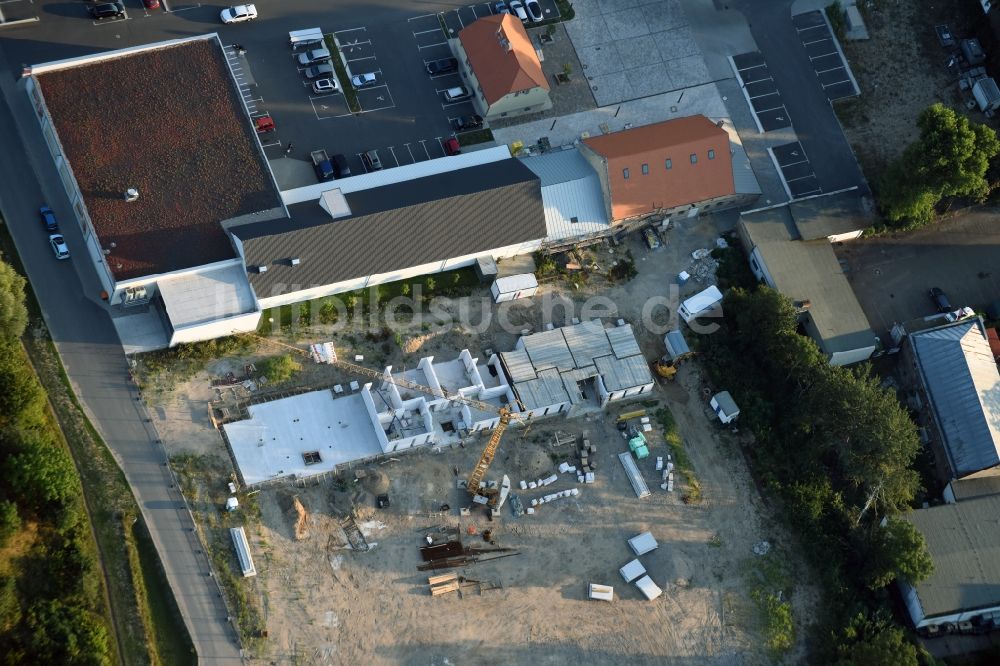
pixel 202 244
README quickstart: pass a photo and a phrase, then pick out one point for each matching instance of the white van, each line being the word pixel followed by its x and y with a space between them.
pixel 700 304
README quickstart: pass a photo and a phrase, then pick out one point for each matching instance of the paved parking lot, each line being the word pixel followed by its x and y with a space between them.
pixel 635 48
pixel 824 55
pixel 796 170
pixel 761 91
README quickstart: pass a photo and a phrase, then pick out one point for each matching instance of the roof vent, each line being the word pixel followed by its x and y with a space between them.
pixel 720 123
pixel 574 219
pixel 294 261
pixel 502 38
pixel 131 194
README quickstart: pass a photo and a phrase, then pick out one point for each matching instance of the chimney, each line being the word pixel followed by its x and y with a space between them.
pixel 131 194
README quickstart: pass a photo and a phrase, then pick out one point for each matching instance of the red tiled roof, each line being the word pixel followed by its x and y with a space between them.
pixel 168 122
pixel 502 57
pixel 652 145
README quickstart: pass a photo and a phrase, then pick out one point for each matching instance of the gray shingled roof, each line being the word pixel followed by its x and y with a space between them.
pixel 396 226
pixel 962 382
pixel 964 543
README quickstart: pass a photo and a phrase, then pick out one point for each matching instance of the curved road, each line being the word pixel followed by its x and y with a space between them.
pixel 86 339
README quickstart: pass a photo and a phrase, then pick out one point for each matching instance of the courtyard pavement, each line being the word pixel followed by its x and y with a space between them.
pixel 635 48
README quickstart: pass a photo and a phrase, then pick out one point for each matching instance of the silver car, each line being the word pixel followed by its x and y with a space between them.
pixel 363 80
pixel 59 247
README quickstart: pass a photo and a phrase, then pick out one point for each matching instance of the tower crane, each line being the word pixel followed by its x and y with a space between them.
pixel 506 413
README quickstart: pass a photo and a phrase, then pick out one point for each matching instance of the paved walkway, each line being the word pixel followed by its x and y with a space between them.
pixel 94 360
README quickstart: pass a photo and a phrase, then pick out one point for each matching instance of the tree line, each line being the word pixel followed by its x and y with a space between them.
pixel 838 451
pixel 49 576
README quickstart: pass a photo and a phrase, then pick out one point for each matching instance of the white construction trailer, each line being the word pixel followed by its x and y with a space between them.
pixel 512 287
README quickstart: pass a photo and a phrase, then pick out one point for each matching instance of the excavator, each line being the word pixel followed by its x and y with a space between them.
pixel 493 497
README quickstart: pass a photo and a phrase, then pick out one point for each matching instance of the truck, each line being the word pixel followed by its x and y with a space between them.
pixel 322 165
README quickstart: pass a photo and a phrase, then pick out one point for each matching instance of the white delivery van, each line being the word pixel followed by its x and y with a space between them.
pixel 700 304
pixel 511 287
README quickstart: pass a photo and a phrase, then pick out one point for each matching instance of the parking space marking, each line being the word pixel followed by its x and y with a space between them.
pixel 824 55
pixel 426 32
pixel 430 46
pixel 424 146
pixel 393 153
pixel 795 170
pixel 760 91
pixel 410 152
pixel 422 16
pixel 337 32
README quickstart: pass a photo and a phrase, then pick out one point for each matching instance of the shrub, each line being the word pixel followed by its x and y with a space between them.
pixel 280 369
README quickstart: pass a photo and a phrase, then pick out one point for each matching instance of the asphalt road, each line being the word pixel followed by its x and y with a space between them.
pixel 815 123
pixel 88 345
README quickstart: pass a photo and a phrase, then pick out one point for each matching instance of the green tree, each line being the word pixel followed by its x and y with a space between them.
pixel 10 606
pixel 62 634
pixel 950 158
pixel 41 474
pixel 897 550
pixel 279 369
pixel 22 401
pixel 13 313
pixel 873 642
pixel 10 521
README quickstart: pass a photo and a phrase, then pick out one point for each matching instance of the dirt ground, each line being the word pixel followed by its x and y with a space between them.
pixel 324 603
pixel 901 71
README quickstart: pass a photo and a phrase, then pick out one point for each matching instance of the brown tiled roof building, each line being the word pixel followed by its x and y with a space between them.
pixel 668 167
pixel 500 66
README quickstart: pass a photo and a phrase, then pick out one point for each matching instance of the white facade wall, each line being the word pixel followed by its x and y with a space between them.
pixel 244 323
pixel 308 293
pixel 852 355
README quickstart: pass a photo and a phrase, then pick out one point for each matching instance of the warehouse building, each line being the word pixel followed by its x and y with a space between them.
pixel 964 544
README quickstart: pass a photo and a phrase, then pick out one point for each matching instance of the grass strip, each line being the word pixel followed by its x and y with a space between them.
pixel 682 462
pixel 474 137
pixel 340 67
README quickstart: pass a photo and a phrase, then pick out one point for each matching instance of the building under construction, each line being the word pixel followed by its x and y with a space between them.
pixel 566 370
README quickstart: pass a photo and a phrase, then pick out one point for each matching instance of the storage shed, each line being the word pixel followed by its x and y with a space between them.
pixel 987 94
pixel 632 570
pixel 677 346
pixel 511 287
pixel 725 407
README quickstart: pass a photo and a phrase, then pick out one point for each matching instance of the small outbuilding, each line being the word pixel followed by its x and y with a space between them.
pixel 987 95
pixel 601 592
pixel 512 287
pixel 725 407
pixel 677 346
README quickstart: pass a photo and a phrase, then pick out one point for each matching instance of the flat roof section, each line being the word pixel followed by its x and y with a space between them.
pixel 203 297
pixel 168 122
pixel 271 443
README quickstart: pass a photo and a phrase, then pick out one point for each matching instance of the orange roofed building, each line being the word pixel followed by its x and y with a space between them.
pixel 676 167
pixel 500 68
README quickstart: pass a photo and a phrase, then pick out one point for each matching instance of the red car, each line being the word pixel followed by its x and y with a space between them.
pixel 451 147
pixel 151 4
pixel 264 124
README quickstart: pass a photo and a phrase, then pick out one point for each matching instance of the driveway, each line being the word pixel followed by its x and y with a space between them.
pixel 88 345
pixel 891 276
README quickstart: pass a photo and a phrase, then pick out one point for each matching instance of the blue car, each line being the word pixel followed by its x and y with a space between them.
pixel 48 219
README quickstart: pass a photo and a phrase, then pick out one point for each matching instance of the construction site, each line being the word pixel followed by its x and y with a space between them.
pixel 586 487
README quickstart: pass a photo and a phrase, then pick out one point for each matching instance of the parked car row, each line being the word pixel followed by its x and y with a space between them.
pixel 529 10
pixel 51 225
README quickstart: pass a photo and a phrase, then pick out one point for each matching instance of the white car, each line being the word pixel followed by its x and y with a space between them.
pixel 58 244
pixel 324 86
pixel 517 8
pixel 360 81
pixel 239 14
pixel 534 9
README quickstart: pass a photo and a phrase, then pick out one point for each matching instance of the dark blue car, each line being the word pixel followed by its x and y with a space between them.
pixel 48 219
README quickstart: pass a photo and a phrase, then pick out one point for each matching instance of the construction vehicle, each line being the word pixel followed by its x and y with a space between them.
pixel 494 497
pixel 677 352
